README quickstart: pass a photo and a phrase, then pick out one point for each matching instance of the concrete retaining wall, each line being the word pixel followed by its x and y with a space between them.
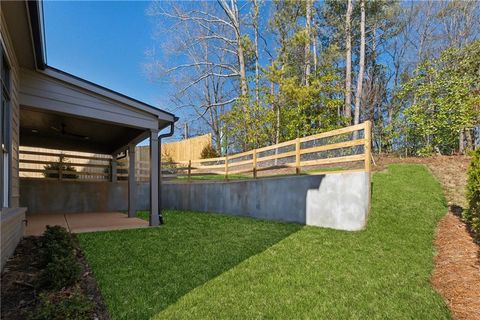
pixel 339 201
pixel 282 199
pixel 51 196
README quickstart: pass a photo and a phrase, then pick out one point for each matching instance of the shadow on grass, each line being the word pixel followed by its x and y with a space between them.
pixel 141 272
pixel 382 272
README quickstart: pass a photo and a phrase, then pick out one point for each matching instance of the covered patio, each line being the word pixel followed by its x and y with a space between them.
pixel 60 111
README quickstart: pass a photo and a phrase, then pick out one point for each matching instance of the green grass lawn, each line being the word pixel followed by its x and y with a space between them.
pixel 213 266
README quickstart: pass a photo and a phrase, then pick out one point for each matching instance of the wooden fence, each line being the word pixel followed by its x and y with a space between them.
pixel 184 150
pixel 341 150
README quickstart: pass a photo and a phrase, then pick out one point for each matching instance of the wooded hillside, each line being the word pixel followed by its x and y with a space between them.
pixel 255 73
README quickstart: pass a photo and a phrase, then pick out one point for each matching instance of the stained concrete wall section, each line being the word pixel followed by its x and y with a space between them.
pixel 281 199
pixel 339 201
pixel 52 196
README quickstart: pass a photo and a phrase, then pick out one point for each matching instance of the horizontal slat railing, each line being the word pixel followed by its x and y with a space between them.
pixel 73 164
pixel 38 163
pixel 332 148
pixel 56 154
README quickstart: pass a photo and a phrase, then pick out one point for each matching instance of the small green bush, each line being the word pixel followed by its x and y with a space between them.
pixel 209 152
pixel 56 166
pixel 74 307
pixel 61 268
pixel 168 164
pixel 56 242
pixel 61 272
pixel 472 214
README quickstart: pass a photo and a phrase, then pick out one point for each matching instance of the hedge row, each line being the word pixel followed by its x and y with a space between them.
pixel 472 214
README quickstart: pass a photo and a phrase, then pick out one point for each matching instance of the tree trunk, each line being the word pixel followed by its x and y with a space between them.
pixel 461 141
pixel 232 11
pixel 308 19
pixel 276 109
pixel 243 74
pixel 469 134
pixel 348 74
pixel 361 71
pixel 315 58
pixel 257 67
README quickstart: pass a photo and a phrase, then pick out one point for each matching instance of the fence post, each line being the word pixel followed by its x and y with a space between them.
pixel 226 167
pixel 189 169
pixel 254 159
pixel 60 168
pixel 297 156
pixel 368 145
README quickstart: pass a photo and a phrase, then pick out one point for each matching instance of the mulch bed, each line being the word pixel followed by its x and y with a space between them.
pixel 457 268
pixel 19 297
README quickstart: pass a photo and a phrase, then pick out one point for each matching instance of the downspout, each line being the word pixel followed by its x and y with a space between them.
pixel 165 135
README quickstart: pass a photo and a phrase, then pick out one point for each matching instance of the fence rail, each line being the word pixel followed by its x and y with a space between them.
pixel 316 154
pixel 345 149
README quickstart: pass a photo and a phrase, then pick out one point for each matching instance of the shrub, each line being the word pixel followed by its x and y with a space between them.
pixel 472 214
pixel 167 163
pixel 56 242
pixel 61 268
pixel 74 307
pixel 61 272
pixel 56 166
pixel 209 152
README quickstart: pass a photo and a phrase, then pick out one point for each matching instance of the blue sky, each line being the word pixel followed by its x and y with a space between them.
pixel 104 42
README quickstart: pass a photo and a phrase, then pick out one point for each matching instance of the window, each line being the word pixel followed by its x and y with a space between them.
pixel 5 153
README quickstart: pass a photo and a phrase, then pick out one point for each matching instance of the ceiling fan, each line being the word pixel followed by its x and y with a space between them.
pixel 64 132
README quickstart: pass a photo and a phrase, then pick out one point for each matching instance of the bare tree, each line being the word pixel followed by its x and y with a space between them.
pixel 361 71
pixel 460 21
pixel 308 38
pixel 348 73
pixel 231 11
pixel 204 78
pixel 256 10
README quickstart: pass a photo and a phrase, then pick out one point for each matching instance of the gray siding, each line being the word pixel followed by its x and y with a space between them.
pixel 12 230
pixel 14 104
pixel 12 220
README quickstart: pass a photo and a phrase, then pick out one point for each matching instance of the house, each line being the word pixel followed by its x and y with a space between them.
pixel 37 98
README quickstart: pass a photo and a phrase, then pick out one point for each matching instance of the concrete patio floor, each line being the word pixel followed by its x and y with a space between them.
pixel 82 222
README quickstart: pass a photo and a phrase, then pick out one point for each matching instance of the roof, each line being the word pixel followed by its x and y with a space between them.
pixel 35 12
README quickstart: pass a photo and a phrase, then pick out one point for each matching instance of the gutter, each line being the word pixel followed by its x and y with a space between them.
pixel 35 13
pixel 165 135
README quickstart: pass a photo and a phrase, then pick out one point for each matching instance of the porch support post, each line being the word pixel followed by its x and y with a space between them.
pixel 113 169
pixel 154 179
pixel 131 182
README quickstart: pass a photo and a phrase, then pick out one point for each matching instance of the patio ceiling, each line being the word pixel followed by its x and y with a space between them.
pixel 61 111
pixel 39 128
